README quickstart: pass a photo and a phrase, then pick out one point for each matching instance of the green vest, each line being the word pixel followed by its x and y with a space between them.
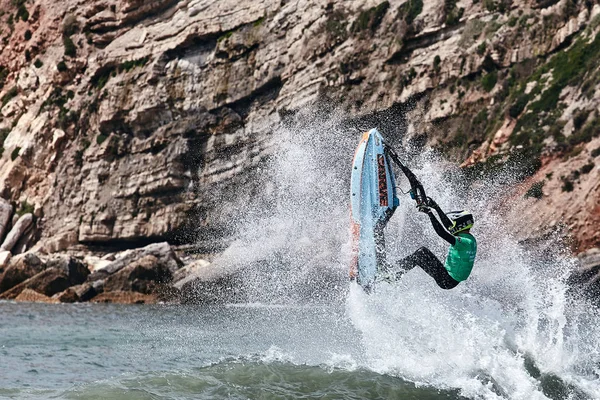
pixel 461 256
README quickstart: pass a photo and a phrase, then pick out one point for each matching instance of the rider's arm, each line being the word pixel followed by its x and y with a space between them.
pixel 439 229
pixel 445 220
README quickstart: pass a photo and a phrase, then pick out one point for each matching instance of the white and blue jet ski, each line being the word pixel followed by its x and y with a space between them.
pixel 373 202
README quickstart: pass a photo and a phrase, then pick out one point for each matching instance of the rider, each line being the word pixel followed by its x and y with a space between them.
pixel 461 255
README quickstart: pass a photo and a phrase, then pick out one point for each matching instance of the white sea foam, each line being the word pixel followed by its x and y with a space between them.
pixel 497 335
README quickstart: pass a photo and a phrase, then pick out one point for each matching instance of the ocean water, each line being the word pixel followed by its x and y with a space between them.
pixel 245 351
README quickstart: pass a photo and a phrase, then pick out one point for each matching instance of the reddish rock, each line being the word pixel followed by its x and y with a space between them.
pixel 47 282
pixel 21 268
pixel 67 296
pixel 32 296
pixel 122 297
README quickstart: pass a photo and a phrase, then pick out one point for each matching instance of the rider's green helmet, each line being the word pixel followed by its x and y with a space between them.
pixel 461 221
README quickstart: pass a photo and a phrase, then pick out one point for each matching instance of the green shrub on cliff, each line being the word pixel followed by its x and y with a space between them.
pixel 101 138
pixel 3 134
pixel 38 63
pixel 336 26
pixel 70 25
pixel 452 13
pixel 567 185
pixel 61 66
pixel 370 19
pixel 27 35
pixel 22 13
pixel 410 10
pixel 436 63
pixel 489 81
pixel 12 93
pixel 129 65
pixel 15 153
pixel 25 208
pixel 536 190
pixel 225 36
pixel 587 168
pixel 3 75
pixel 481 48
pixel 518 106
pixel 70 49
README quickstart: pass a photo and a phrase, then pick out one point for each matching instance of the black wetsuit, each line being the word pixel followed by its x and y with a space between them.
pixel 425 259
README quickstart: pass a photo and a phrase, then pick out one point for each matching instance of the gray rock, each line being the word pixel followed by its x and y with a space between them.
pixel 161 251
pixel 5 257
pixel 196 267
pixel 76 270
pixel 23 224
pixel 6 211
pixel 98 286
pixel 85 291
pixel 144 275
pixel 25 241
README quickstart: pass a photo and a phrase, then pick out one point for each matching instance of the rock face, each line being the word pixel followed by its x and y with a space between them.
pixel 130 122
pixel 21 268
pixel 47 282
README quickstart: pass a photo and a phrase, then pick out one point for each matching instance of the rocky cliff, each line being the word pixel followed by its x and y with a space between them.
pixel 122 121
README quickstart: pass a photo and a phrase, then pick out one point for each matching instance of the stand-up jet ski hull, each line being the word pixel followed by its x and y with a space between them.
pixel 373 201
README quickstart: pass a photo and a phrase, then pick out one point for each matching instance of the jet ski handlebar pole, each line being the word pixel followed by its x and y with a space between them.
pixel 417 191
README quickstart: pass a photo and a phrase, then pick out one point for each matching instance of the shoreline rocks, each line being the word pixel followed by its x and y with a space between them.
pixel 144 275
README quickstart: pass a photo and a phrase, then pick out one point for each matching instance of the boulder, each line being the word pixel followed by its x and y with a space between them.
pixel 5 257
pixel 25 241
pixel 48 282
pixel 121 297
pixel 67 296
pixel 21 268
pixel 29 295
pixel 98 286
pixel 161 251
pixel 75 269
pixel 85 291
pixel 96 263
pixel 197 267
pixel 143 275
pixel 6 211
pixel 23 224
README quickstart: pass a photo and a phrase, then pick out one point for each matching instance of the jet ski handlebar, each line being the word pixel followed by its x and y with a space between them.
pixel 417 192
